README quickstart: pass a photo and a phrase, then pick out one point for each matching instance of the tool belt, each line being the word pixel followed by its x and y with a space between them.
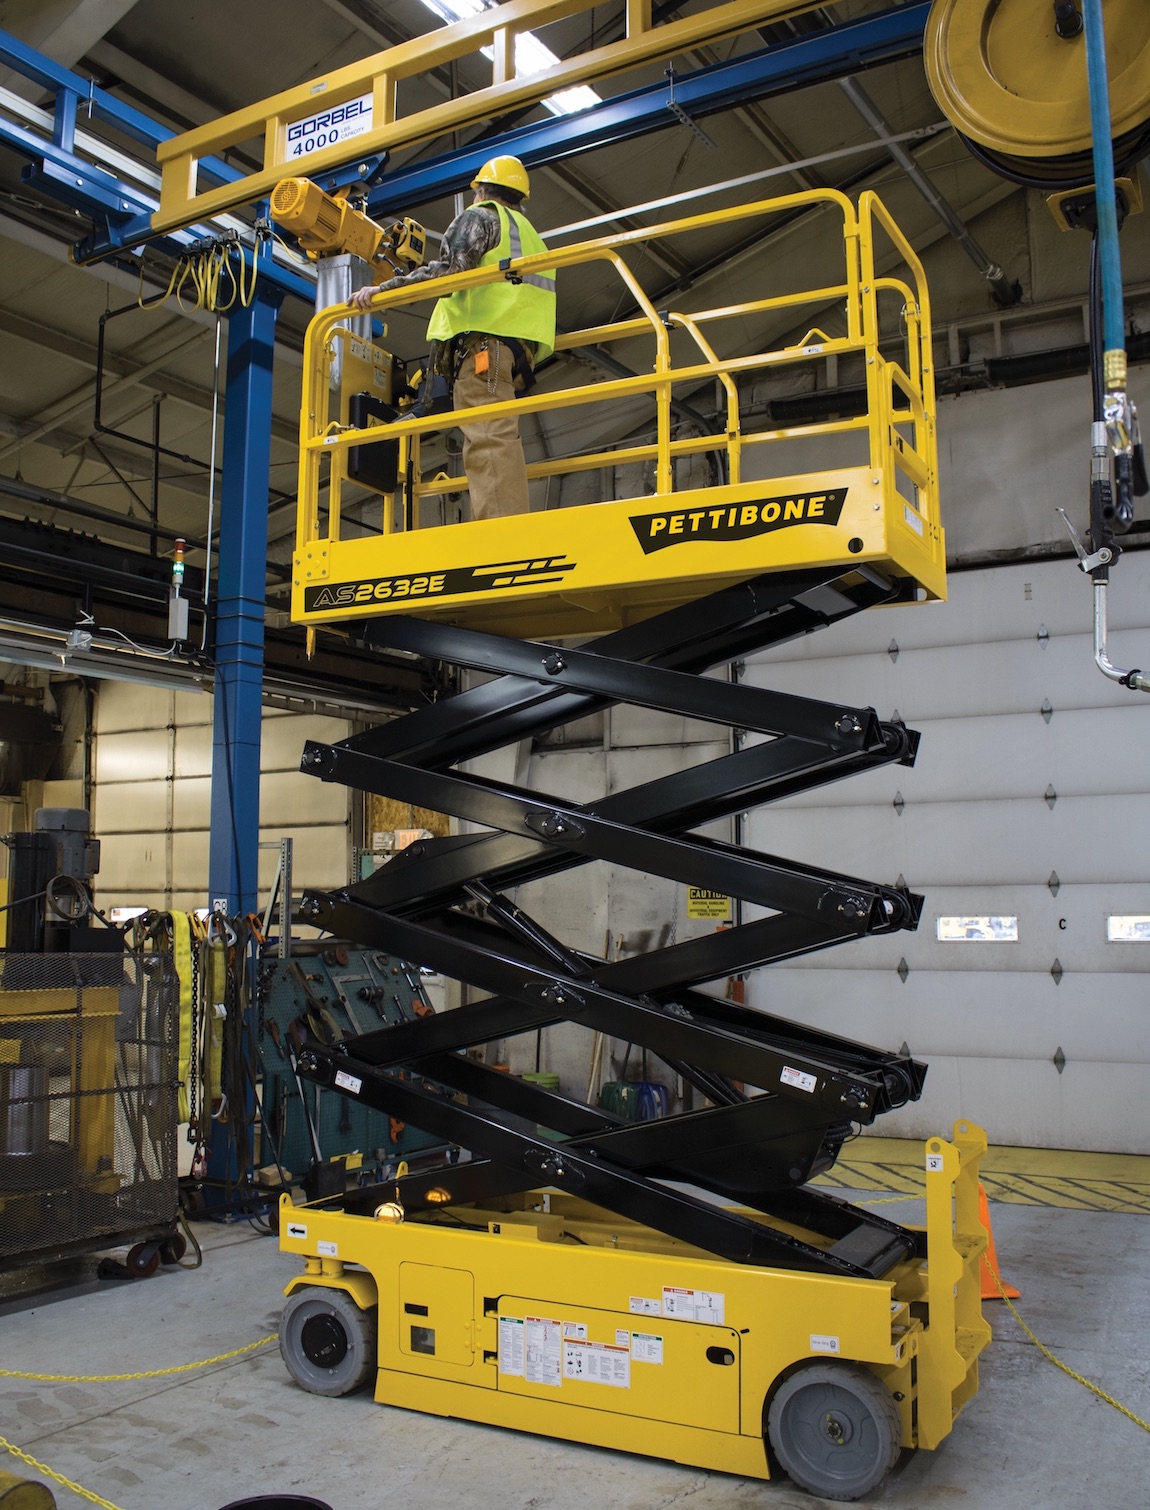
pixel 522 356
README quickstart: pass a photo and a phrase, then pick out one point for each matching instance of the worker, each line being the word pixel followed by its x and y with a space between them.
pixel 486 341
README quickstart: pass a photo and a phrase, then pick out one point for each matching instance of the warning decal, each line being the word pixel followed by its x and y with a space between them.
pixel 543 1356
pixel 597 1363
pixel 694 1305
pixel 646 1347
pixel 511 1345
pixel 702 903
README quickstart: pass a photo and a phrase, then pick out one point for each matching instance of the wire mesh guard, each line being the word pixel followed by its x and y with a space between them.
pixel 87 1099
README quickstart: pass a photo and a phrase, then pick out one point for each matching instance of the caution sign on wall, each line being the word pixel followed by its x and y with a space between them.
pixel 702 903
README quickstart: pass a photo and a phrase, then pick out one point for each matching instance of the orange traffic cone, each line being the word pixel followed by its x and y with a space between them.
pixel 989 1272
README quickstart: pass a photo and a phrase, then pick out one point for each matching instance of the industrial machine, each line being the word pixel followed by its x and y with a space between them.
pixel 675 1286
pixel 739 1317
pixel 87 1108
pixel 87 1066
pixel 547 1313
pixel 326 993
pixel 51 871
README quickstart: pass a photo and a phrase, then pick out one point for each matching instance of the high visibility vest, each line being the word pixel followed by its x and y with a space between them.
pixel 524 310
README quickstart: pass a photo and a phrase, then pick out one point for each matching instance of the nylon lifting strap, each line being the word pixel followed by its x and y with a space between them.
pixel 217 976
pixel 182 955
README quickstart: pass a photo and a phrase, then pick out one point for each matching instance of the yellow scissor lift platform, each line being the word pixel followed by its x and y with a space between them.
pixel 591 568
pixel 675 1287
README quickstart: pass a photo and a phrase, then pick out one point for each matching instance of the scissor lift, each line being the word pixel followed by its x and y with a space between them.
pixel 656 1250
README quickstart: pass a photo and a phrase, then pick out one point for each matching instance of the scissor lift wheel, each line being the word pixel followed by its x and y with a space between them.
pixel 327 1342
pixel 835 1428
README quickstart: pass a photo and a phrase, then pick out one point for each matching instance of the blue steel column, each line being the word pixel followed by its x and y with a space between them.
pixel 234 842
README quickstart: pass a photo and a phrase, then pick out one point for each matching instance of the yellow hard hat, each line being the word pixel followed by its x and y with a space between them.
pixel 507 172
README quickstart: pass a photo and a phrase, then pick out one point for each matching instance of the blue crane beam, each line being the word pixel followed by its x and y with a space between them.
pixel 815 59
pixel 62 173
pixel 122 210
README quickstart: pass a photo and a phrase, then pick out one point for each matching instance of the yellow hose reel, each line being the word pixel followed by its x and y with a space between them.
pixel 1010 76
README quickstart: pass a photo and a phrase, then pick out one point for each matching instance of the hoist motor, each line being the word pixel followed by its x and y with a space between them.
pixel 347 246
pixel 327 224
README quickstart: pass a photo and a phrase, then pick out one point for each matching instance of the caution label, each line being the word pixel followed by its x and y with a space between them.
pixel 646 1347
pixel 702 903
pixel 511 1345
pixel 542 1358
pixel 694 1305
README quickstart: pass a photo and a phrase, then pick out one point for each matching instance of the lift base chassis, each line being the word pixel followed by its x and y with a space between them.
pixel 544 1313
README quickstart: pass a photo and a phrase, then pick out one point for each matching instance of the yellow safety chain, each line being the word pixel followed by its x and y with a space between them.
pixel 1053 1358
pixel 1046 1352
pixel 58 1478
pixel 151 1373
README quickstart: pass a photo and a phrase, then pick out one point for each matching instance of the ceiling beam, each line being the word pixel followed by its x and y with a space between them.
pixel 365 17
pixel 83 353
pixel 164 98
pixel 133 462
pixel 63 30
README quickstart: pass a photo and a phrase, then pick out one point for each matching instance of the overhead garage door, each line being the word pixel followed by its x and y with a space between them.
pixel 1028 804
pixel 151 798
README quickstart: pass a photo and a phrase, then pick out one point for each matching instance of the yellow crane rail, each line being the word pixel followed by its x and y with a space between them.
pixel 278 125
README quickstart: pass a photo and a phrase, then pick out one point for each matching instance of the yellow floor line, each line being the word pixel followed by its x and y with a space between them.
pixel 1024 1176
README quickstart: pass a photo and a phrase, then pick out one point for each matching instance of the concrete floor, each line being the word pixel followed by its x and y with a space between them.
pixel 1033 1437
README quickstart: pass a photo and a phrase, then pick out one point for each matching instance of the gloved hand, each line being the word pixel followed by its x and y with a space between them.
pixel 361 299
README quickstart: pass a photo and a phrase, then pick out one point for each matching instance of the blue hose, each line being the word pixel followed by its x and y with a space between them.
pixel 1113 319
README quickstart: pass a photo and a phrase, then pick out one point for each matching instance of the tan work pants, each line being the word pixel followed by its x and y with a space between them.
pixel 492 451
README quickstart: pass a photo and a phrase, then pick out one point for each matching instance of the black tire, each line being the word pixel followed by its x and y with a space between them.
pixel 173 1248
pixel 327 1342
pixel 835 1428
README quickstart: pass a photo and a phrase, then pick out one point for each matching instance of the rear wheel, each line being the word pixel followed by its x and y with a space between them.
pixel 835 1428
pixel 173 1248
pixel 327 1342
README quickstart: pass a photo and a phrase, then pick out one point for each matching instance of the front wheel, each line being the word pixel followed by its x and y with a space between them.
pixel 327 1342
pixel 835 1428
pixel 143 1260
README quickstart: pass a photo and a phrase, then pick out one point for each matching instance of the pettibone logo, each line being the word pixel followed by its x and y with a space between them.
pixel 492 577
pixel 738 521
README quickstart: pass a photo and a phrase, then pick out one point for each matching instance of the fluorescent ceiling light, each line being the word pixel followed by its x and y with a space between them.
pixel 531 57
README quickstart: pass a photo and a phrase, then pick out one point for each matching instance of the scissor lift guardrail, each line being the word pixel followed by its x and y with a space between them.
pixel 591 568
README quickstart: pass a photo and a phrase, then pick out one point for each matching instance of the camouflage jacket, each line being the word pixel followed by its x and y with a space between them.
pixel 472 233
